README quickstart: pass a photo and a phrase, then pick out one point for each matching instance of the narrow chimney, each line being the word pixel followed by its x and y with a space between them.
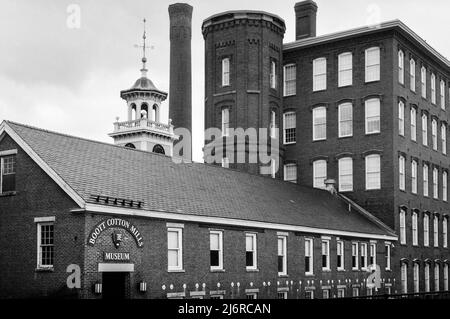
pixel 305 19
pixel 180 91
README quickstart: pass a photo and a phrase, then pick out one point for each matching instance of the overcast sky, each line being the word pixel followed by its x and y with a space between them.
pixel 68 79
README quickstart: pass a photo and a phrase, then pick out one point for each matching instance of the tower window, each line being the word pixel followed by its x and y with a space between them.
pixel 130 145
pixel 273 74
pixel 226 72
pixel 158 149
pixel 225 121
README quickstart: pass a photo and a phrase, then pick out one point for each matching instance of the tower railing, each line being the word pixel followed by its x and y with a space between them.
pixel 143 123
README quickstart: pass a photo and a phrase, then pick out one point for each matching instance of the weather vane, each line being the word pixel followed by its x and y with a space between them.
pixel 144 47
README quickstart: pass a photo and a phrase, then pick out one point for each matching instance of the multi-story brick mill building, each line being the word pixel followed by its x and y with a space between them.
pixel 366 107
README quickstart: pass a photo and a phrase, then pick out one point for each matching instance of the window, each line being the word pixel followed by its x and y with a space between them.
pixel 273 74
pixel 435 183
pixel 225 121
pixel 7 173
pixel 373 178
pixel 225 162
pixel 413 124
pixel 309 256
pixel 290 173
pixel 373 64
pixel 445 232
pixel 341 293
pixel 414 176
pixel 373 254
pixel 412 75
pixel 426 230
pixel 319 123
pixel 404 277
pixel 46 245
pixel 309 294
pixel 445 277
pixel 174 249
pixel 226 72
pixel 433 88
pixel 345 118
pixel 388 256
pixel 216 250
pixel 355 291
pixel 434 134
pixel 425 180
pixel 425 129
pixel 252 295
pixel 325 255
pixel 319 173
pixel 345 65
pixel 436 277
pixel 401 67
pixel 250 251
pixel 326 293
pixel 401 118
pixel 289 124
pixel 415 232
pixel 402 227
pixel 372 111
pixel 444 138
pixel 442 94
pixel 416 270
pixel 427 277
pixel 444 186
pixel 345 174
pixel 273 124
pixel 363 256
pixel 282 255
pixel 319 74
pixel 355 256
pixel 282 295
pixel 290 80
pixel 340 255
pixel 436 231
pixel 423 80
pixel 401 172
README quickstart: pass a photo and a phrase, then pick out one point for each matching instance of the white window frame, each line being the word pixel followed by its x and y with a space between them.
pixel 413 121
pixel 179 250
pixel 416 277
pixel 401 118
pixel 427 276
pixel 344 175
pixel 290 168
pixel 433 88
pixel 326 249
pixel 436 277
pixel 316 165
pixel 325 293
pixel 415 228
pixel 253 238
pixel 402 226
pixel 445 232
pixel 404 277
pixel 414 170
pixel 374 102
pixel 355 256
pixel 434 134
pixel 343 121
pixel 220 234
pixel 444 138
pixel 442 94
pixel 445 277
pixel 376 185
pixel 40 222
pixel 412 75
pixel 317 77
pixel 436 231
pixel 444 186
pixel 435 183
pixel 225 121
pixel 273 74
pixel 424 129
pixel 373 253
pixel 225 72
pixel 423 79
pixel 426 230
pixel 363 256
pixel 340 251
pixel 290 84
pixel 426 186
pixel 341 292
pixel 283 239
pixel 372 76
pixel 401 67
pixel 309 245
pixel 388 256
pixel 344 69
pixel 292 140
pixel 315 111
pixel 225 162
pixel 402 172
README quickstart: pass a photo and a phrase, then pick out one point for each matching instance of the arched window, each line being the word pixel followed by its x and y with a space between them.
pixel 158 149
pixel 404 277
pixel 319 173
pixel 132 112
pixel 416 276
pixel 144 111
pixel 401 67
pixel 130 145
pixel 155 113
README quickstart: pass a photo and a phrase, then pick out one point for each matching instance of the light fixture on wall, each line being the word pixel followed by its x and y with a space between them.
pixel 142 286
pixel 98 288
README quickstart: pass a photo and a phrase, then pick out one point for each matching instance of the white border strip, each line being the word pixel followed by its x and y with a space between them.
pixel 8 152
pixel 44 219
pixel 108 267
pixel 47 169
pixel 228 221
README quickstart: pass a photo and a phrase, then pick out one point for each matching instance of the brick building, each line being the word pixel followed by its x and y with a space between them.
pixel 366 107
pixel 141 226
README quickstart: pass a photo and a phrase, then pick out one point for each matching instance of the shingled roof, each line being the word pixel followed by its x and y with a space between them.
pixel 195 189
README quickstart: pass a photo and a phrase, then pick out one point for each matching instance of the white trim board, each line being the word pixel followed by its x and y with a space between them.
pixel 228 221
pixel 42 164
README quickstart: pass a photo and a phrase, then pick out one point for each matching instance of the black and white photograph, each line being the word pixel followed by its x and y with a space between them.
pixel 235 150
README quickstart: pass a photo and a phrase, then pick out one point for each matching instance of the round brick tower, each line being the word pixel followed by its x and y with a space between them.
pixel 243 79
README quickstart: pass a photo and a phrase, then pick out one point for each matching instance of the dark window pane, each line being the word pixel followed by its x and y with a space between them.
pixel 353 261
pixel 339 261
pixel 214 258
pixel 307 268
pixel 8 183
pixel 280 264
pixel 324 261
pixel 249 259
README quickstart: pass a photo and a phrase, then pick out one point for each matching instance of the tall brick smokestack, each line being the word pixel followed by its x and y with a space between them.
pixel 180 94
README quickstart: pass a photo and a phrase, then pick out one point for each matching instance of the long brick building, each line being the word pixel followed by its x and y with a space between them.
pixel 366 107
